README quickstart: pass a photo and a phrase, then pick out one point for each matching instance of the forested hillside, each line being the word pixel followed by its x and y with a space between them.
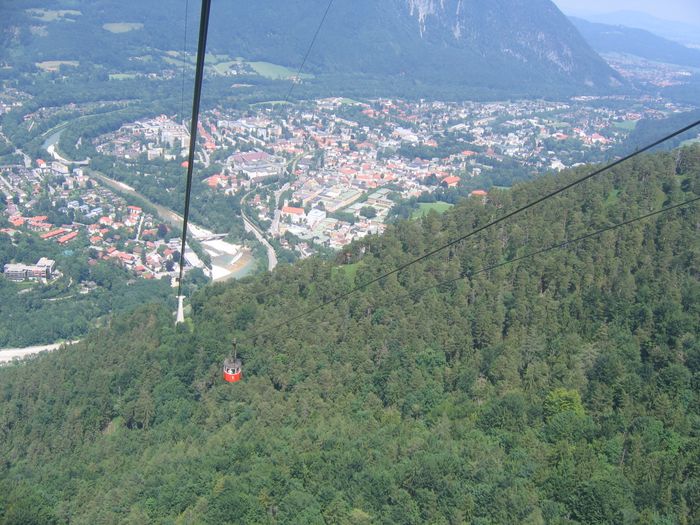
pixel 458 46
pixel 561 389
pixel 620 39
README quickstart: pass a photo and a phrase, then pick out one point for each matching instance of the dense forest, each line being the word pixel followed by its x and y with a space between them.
pixel 561 389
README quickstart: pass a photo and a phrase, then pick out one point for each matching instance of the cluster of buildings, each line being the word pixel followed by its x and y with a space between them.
pixel 43 271
pixel 157 138
pixel 11 98
pixel 336 166
pixel 339 156
pixel 649 72
pixel 85 217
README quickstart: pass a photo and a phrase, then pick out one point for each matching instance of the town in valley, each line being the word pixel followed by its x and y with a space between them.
pixel 308 178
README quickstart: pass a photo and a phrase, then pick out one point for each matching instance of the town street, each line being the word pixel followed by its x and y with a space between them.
pixel 251 227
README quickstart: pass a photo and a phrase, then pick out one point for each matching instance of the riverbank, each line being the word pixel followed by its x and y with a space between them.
pixel 8 355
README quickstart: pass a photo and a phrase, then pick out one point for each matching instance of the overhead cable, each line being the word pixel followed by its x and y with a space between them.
pixel 308 51
pixel 469 275
pixel 494 222
pixel 199 77
pixel 184 62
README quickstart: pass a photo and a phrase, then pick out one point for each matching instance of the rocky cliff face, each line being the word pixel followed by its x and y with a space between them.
pixel 532 32
pixel 495 48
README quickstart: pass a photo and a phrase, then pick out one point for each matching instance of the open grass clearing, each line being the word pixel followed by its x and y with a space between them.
pixel 612 198
pixel 349 269
pixel 690 142
pixel 52 15
pixel 122 76
pixel 274 71
pixel 122 27
pixel 627 125
pixel 54 65
pixel 425 207
pixel 222 68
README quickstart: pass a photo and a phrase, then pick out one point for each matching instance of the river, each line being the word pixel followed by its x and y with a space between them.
pixel 223 254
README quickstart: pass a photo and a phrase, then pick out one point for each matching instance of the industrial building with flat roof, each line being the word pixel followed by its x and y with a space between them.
pixel 42 270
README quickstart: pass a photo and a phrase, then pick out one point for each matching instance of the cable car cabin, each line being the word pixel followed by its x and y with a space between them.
pixel 232 370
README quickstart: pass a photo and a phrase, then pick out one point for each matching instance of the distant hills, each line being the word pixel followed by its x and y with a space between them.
pixel 677 31
pixel 512 46
pixel 620 39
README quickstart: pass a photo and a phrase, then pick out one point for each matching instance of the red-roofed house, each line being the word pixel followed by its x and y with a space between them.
pixel 38 226
pixel 216 180
pixel 296 214
pixel 17 221
pixel 451 182
pixel 67 238
pixel 481 194
pixel 53 233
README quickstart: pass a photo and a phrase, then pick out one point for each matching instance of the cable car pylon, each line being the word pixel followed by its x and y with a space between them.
pixel 180 309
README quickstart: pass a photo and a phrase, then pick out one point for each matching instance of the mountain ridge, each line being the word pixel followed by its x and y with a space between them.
pixel 639 42
pixel 508 45
pixel 681 32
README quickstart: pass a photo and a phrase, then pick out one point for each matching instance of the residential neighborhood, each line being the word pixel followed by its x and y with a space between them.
pixel 69 208
pixel 314 176
pixel 309 171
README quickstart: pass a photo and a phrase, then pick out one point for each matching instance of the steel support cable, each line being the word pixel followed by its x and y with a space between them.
pixel 553 247
pixel 492 223
pixel 184 63
pixel 469 275
pixel 502 218
pixel 199 77
pixel 306 56
pixel 308 51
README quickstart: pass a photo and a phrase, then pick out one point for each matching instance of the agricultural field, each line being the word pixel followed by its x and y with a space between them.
pixel 689 142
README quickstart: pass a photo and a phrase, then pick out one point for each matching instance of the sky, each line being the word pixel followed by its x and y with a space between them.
pixel 678 10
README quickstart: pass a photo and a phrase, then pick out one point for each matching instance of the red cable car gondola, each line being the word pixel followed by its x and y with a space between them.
pixel 233 370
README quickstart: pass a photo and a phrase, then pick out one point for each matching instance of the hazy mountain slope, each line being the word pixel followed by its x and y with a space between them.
pixel 619 39
pixel 684 33
pixel 562 389
pixel 503 44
